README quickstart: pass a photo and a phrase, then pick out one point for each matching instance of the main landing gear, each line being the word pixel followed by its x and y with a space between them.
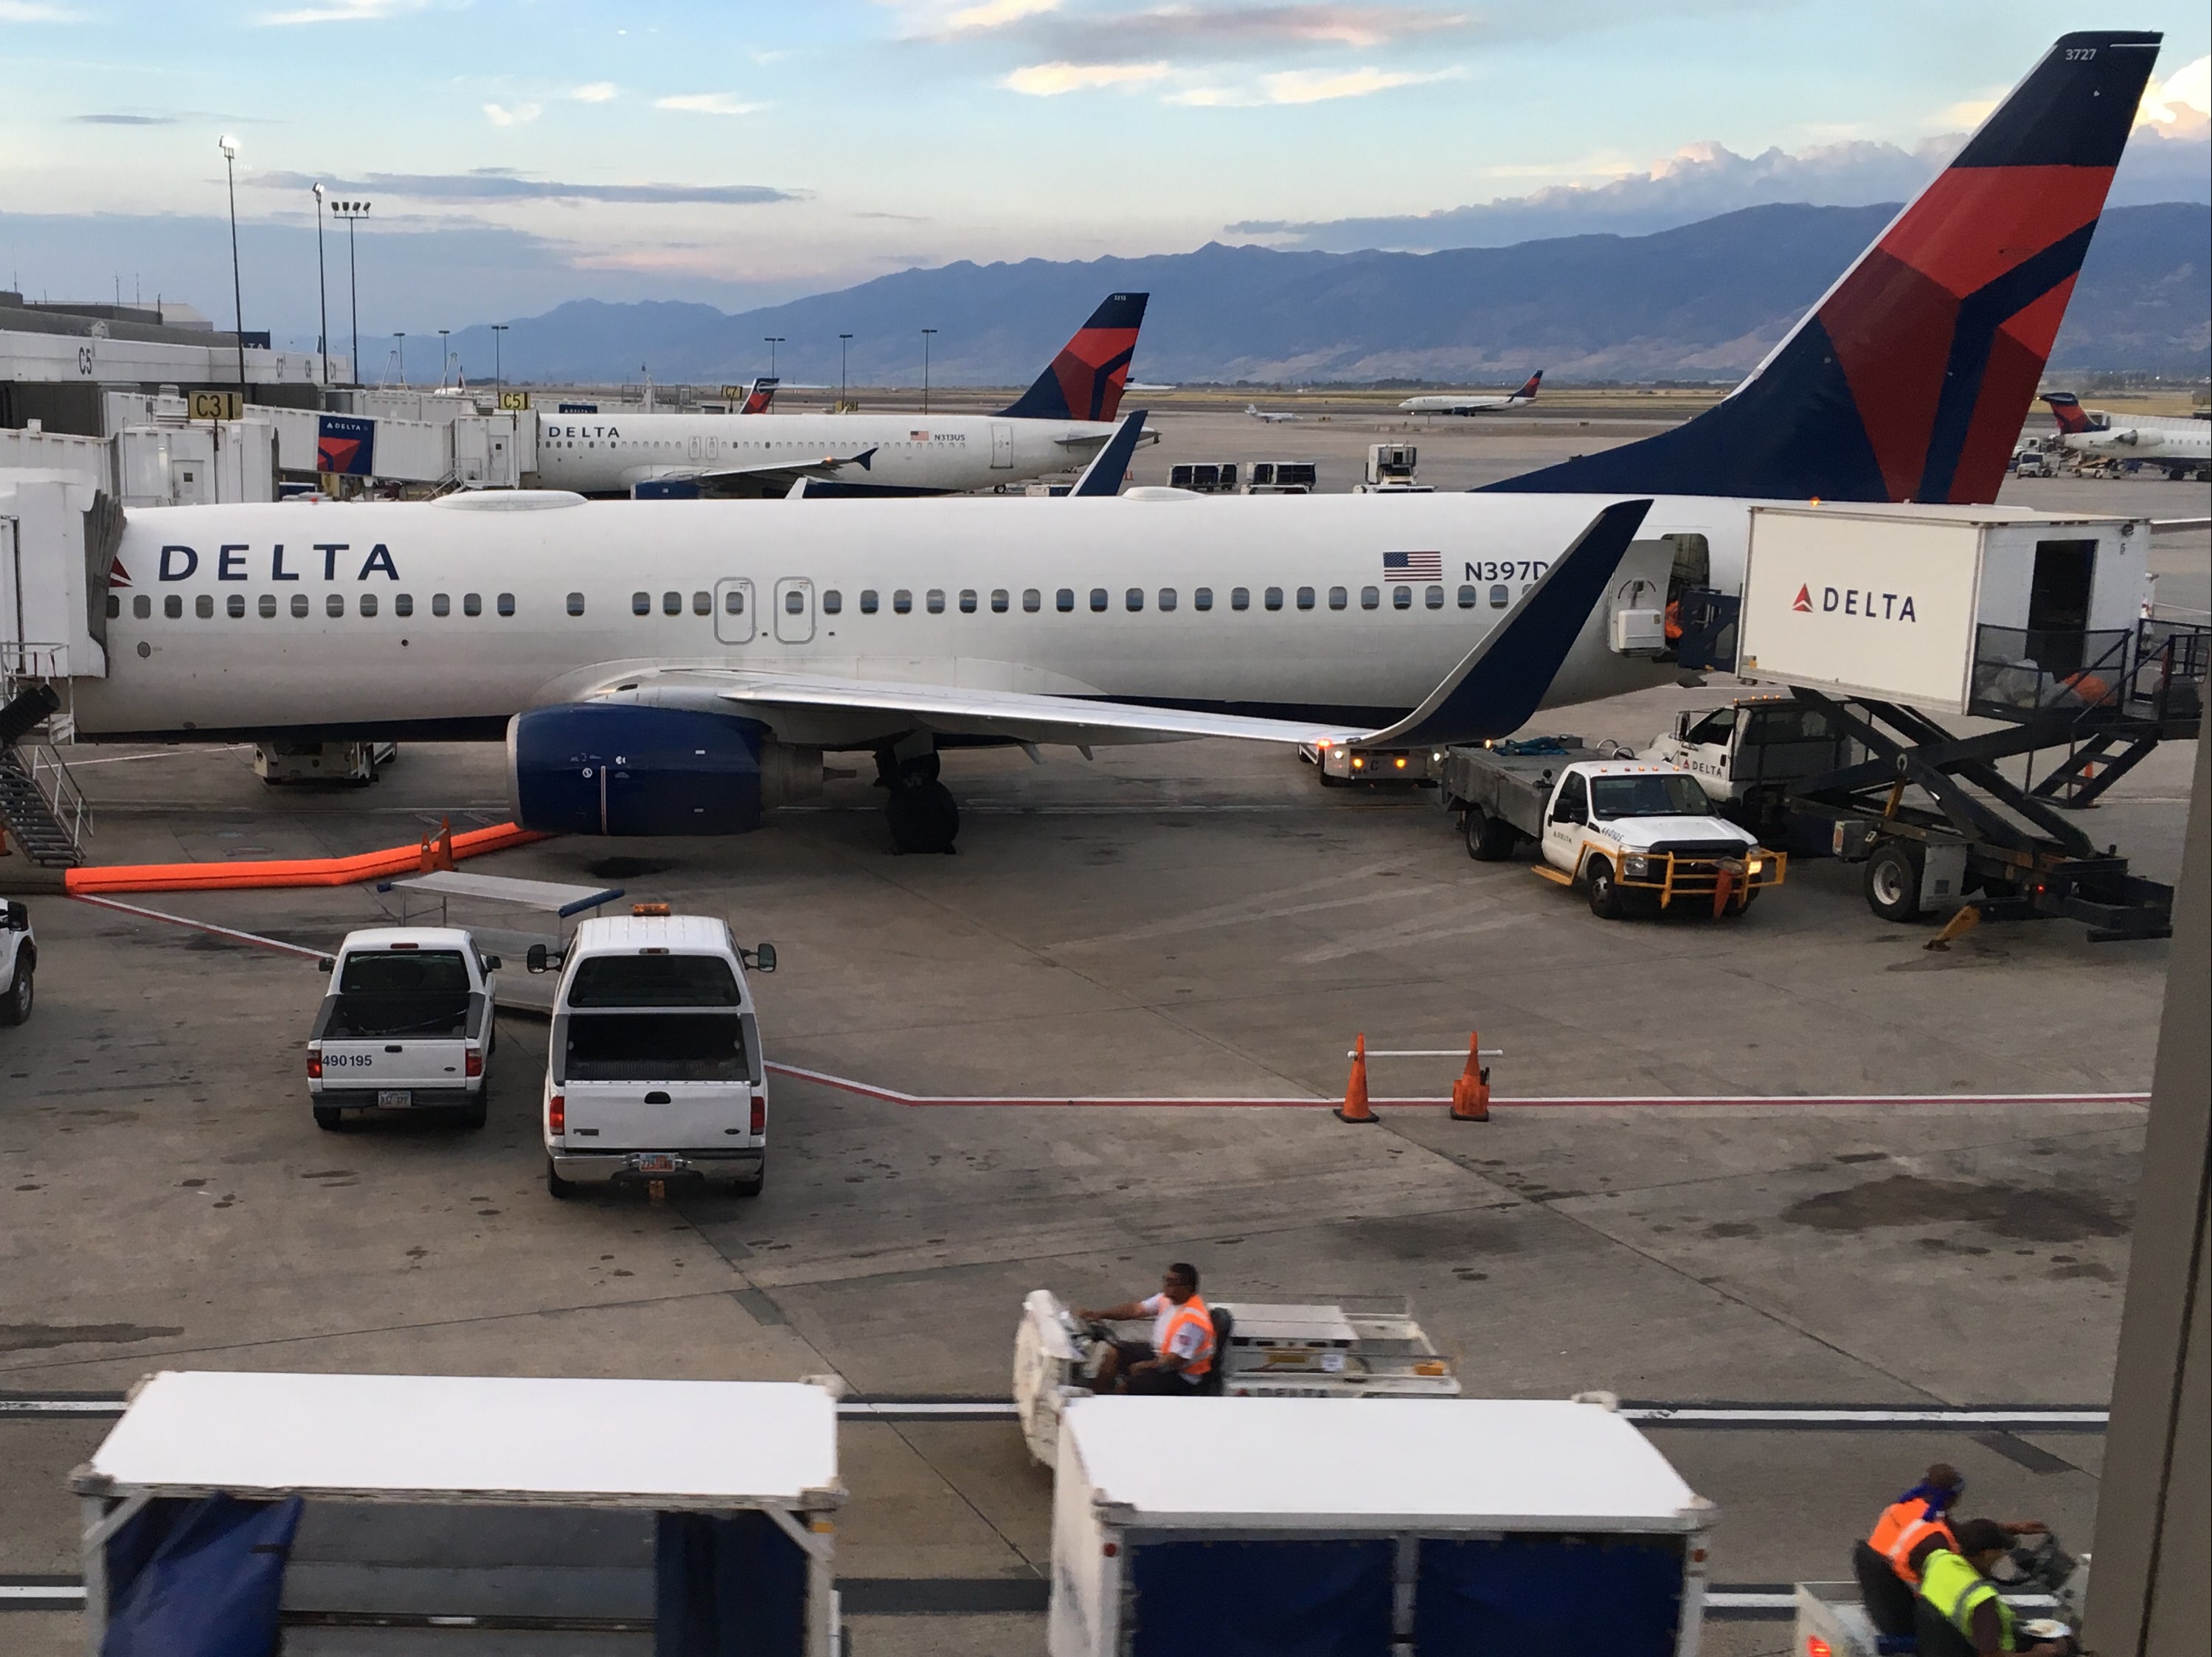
pixel 920 810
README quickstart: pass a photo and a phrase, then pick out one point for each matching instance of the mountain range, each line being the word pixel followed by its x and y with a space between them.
pixel 1703 300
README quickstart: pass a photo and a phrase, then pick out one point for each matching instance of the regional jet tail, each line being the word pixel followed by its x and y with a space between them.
pixel 1910 379
pixel 1458 403
pixel 1086 379
pixel 759 395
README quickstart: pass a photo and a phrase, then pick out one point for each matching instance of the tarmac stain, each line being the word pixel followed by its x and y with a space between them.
pixel 2100 1273
pixel 328 1173
pixel 625 868
pixel 191 1185
pixel 1731 1228
pixel 2029 1213
pixel 34 1337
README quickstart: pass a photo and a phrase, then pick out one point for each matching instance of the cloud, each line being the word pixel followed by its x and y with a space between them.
pixel 342 11
pixel 2184 94
pixel 997 14
pixel 497 184
pixel 124 120
pixel 708 103
pixel 597 92
pixel 499 115
pixel 1304 86
pixel 1050 80
pixel 34 11
pixel 1193 34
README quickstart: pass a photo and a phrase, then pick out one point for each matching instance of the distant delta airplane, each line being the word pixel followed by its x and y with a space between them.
pixel 1268 417
pixel 1059 423
pixel 2179 445
pixel 1468 403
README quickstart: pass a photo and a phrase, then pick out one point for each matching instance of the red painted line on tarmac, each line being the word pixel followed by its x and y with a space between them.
pixel 893 1097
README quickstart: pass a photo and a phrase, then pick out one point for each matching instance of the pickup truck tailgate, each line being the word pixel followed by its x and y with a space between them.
pixel 657 1115
pixel 395 1063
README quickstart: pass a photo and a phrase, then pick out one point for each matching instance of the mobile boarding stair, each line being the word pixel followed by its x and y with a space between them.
pixel 41 808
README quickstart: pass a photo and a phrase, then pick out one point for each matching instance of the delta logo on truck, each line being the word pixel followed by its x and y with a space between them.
pixel 1857 601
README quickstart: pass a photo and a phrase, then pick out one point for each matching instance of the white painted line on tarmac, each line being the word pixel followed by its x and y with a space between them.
pixel 1694 1415
pixel 60 1407
pixel 200 925
pixel 1740 1599
pixel 962 1410
pixel 28 1596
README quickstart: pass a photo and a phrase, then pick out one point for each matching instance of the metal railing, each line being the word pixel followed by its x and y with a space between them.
pixel 49 774
pixel 2020 671
pixel 2167 679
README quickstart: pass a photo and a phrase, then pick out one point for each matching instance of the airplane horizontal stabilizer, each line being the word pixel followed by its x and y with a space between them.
pixel 1111 464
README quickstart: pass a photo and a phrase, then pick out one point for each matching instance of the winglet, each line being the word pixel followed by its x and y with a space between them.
pixel 1111 464
pixel 1502 681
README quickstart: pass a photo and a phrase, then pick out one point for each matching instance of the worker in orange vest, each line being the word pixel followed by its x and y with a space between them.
pixel 1888 1564
pixel 1180 1354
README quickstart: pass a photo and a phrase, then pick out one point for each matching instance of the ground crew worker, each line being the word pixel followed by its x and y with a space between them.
pixel 1956 1585
pixel 1888 1563
pixel 1180 1354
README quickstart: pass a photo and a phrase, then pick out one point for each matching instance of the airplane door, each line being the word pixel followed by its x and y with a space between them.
pixel 694 446
pixel 733 612
pixel 794 610
pixel 1002 446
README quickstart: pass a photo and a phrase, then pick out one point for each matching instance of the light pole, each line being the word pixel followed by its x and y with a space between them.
pixel 228 145
pixel 399 356
pixel 445 357
pixel 773 340
pixel 844 341
pixel 353 213
pixel 497 329
pixel 322 294
pixel 926 333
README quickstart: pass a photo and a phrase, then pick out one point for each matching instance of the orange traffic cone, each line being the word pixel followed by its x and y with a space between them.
pixel 437 850
pixel 1471 1092
pixel 1355 1107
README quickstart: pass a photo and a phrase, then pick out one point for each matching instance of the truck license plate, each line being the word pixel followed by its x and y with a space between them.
pixel 395 1098
pixel 657 1163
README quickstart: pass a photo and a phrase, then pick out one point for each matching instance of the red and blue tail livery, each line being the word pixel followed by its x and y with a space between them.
pixel 1085 379
pixel 1910 379
pixel 2066 408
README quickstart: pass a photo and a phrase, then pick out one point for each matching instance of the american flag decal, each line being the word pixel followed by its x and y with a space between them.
pixel 1414 566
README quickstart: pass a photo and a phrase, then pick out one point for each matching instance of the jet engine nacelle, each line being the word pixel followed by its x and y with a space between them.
pixel 619 768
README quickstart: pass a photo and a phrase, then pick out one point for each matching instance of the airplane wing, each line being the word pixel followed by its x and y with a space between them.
pixel 1491 692
pixel 766 478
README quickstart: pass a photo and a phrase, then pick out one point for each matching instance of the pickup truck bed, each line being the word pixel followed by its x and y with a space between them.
pixel 1513 787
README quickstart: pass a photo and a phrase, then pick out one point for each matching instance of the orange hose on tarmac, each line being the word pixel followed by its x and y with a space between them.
pixel 313 871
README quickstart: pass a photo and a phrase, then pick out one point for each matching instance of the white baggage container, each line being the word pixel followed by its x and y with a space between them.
pixel 1938 606
pixel 1239 1527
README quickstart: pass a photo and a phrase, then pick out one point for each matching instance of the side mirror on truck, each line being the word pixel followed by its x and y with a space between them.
pixel 326 963
pixel 490 963
pixel 761 960
pixel 18 917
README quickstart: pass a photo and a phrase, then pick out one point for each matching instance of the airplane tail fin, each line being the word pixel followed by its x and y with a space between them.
pixel 2066 408
pixel 1085 381
pixel 1527 392
pixel 1909 379
pixel 759 395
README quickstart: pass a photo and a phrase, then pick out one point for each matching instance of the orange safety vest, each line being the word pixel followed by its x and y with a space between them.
pixel 1902 1527
pixel 1192 1311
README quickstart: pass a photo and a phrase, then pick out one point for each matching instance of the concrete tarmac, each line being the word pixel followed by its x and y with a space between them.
pixel 1180 920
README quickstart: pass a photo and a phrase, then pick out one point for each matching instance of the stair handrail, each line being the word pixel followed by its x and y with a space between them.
pixel 50 776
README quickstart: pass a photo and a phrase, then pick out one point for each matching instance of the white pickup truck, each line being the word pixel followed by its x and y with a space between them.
pixel 654 1073
pixel 19 962
pixel 1635 834
pixel 407 1024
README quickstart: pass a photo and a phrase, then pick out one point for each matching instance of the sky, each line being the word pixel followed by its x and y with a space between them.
pixel 518 153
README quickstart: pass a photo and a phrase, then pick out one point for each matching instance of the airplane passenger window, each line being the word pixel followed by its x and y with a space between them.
pixel 1240 598
pixel 672 603
pixel 1434 597
pixel 1499 597
pixel 967 601
pixel 1166 598
pixel 1098 597
pixel 472 603
pixel 235 605
pixel 576 603
pixel 902 602
pixel 1201 599
pixel 733 602
pixel 443 605
pixel 369 603
pixel 1306 598
pixel 1467 597
pixel 334 604
pixel 203 606
pixel 506 604
pixel 267 606
pixel 1370 598
pixel 298 603
pixel 936 601
pixel 832 601
pixel 641 603
pixel 794 603
pixel 702 603
pixel 1401 598
pixel 1338 598
pixel 1000 601
pixel 1273 598
pixel 172 607
pixel 1134 599
pixel 1064 600
pixel 142 607
pixel 1032 600
pixel 114 607
pixel 867 601
pixel 402 603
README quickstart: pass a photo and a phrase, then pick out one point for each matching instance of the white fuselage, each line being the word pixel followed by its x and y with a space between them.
pixel 2165 443
pixel 936 454
pixel 1463 405
pixel 447 617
